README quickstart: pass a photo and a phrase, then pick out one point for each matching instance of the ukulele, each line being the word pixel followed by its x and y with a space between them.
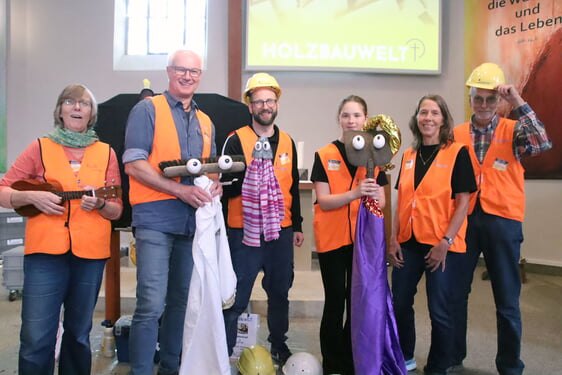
pixel 106 192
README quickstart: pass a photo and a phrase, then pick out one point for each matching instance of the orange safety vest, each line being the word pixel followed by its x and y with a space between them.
pixel 336 228
pixel 283 169
pixel 166 147
pixel 500 177
pixel 86 234
pixel 427 210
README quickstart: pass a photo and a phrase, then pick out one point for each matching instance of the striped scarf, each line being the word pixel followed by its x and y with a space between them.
pixel 262 203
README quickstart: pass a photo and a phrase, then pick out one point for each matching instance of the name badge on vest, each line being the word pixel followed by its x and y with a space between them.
pixel 334 165
pixel 500 165
pixel 284 158
pixel 75 166
pixel 409 164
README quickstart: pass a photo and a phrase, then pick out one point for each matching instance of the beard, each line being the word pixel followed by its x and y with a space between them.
pixel 262 120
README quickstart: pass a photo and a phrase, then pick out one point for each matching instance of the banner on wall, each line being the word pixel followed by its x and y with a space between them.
pixel 524 37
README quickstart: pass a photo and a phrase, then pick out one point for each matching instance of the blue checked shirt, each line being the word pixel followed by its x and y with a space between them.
pixel 529 136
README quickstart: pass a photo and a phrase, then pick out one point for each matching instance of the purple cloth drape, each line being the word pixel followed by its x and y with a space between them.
pixel 374 336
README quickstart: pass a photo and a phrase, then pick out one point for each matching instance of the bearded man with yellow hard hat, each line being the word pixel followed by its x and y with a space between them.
pixel 496 146
pixel 264 220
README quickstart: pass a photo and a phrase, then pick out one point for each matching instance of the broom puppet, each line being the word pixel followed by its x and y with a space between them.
pixel 213 281
pixel 374 336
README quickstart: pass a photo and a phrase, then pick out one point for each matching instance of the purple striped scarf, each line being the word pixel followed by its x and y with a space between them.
pixel 262 203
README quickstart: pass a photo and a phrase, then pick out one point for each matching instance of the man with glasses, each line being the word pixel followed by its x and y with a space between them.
pixel 162 128
pixel 496 146
pixel 251 249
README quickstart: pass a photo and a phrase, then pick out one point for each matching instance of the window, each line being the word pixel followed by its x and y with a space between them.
pixel 146 30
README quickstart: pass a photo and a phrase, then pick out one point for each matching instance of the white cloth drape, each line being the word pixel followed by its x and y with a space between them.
pixel 213 285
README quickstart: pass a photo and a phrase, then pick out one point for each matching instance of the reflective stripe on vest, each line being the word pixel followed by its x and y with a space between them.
pixel 282 166
pixel 166 147
pixel 427 210
pixel 86 234
pixel 500 177
pixel 336 228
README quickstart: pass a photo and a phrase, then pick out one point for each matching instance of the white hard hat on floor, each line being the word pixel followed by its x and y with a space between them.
pixel 302 364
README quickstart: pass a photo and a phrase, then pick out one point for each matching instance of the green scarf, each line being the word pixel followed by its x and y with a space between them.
pixel 69 138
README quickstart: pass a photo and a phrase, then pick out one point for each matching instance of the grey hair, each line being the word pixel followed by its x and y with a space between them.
pixel 472 91
pixel 172 55
pixel 75 91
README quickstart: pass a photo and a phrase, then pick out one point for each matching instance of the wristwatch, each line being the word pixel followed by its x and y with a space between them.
pixel 449 240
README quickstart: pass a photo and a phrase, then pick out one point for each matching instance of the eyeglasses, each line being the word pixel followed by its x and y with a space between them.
pixel 81 103
pixel 261 103
pixel 490 100
pixel 181 71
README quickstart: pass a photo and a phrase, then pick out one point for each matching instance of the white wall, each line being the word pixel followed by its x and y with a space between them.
pixel 57 42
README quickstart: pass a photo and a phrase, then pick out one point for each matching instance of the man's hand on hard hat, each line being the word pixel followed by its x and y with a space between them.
pixel 510 94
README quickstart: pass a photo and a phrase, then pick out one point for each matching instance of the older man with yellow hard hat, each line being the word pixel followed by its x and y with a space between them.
pixel 496 146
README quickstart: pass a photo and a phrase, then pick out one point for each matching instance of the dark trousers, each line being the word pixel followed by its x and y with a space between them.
pixel 499 240
pixel 275 258
pixel 335 331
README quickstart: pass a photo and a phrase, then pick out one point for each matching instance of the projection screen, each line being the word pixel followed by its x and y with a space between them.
pixel 387 36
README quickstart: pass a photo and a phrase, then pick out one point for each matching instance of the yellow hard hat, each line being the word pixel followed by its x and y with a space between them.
pixel 486 76
pixel 255 360
pixel 261 80
pixel 133 251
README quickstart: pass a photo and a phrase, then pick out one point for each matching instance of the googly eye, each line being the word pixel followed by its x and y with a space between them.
pixel 225 162
pixel 266 146
pixel 379 141
pixel 358 142
pixel 194 166
pixel 258 146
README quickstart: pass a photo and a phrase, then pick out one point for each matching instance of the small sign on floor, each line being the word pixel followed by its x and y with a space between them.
pixel 248 326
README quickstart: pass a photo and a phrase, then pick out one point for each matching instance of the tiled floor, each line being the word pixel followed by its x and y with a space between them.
pixel 541 305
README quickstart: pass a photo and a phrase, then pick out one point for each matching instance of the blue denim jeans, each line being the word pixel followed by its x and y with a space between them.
pixel 440 291
pixel 164 266
pixel 51 281
pixel 499 240
pixel 275 258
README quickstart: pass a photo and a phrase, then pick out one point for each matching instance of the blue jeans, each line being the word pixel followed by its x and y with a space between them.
pixel 275 258
pixel 440 291
pixel 51 281
pixel 164 266
pixel 499 239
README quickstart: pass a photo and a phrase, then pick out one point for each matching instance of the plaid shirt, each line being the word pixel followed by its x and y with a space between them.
pixel 529 134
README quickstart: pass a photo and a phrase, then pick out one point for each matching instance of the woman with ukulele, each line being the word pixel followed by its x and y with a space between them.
pixel 67 239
